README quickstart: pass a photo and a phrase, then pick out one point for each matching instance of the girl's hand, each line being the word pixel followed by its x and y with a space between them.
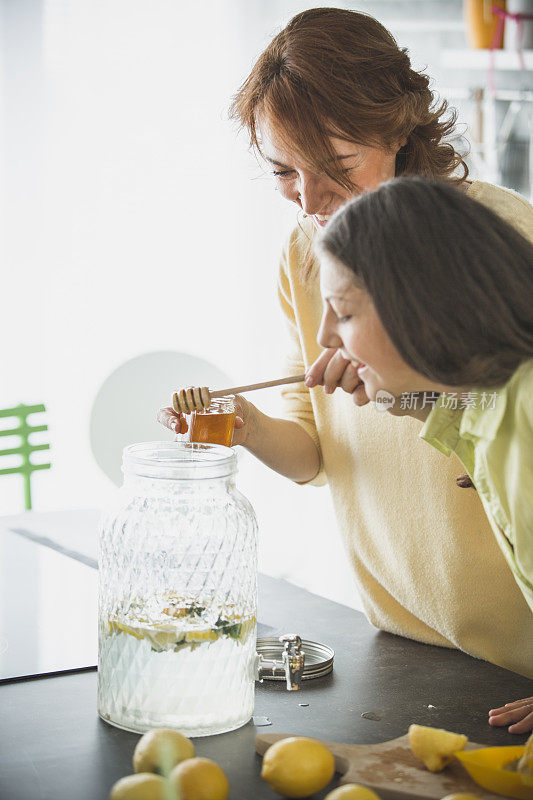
pixel 174 422
pixel 519 714
pixel 243 420
pixel 332 371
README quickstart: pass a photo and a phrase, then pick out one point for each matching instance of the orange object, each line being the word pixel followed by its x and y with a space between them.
pixel 482 23
pixel 488 767
pixel 214 425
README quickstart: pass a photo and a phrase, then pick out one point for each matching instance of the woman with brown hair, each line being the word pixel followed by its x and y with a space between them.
pixel 335 109
pixel 429 293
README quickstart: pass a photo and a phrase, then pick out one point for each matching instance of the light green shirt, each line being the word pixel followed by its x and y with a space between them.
pixel 491 432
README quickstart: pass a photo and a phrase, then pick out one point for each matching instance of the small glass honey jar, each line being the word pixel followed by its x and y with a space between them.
pixel 214 425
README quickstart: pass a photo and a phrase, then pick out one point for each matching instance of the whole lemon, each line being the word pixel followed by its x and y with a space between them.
pixel 460 796
pixel 144 786
pixel 298 766
pixel 199 779
pixel 352 791
pixel 160 750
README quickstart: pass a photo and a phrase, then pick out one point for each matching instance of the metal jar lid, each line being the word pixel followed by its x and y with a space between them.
pixel 318 658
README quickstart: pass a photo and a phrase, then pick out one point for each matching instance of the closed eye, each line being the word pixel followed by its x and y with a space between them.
pixel 282 173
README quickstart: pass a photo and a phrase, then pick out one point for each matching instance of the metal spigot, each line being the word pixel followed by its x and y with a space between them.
pixel 292 662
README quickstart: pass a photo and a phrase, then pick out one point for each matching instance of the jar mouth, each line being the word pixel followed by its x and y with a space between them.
pixel 179 460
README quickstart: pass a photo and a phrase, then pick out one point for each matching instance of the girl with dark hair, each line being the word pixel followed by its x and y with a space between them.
pixel 334 108
pixel 427 291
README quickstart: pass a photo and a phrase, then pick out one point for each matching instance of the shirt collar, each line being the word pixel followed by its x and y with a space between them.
pixel 483 419
pixel 480 419
pixel 441 428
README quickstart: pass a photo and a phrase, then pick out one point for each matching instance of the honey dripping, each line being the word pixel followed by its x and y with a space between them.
pixel 214 425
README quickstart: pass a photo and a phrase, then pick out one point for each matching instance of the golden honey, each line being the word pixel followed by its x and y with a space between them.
pixel 214 425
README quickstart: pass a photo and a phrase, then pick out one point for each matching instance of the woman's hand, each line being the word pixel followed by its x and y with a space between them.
pixel 519 714
pixel 332 371
pixel 281 444
pixel 174 422
pixel 243 420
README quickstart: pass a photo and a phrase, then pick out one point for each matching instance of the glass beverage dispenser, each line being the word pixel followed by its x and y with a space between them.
pixel 178 593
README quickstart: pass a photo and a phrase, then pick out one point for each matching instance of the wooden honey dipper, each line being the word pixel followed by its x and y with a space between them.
pixel 197 398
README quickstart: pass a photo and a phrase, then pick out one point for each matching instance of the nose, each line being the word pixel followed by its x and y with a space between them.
pixel 313 193
pixel 327 335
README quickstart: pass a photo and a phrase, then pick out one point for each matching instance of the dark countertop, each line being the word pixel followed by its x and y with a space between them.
pixel 53 746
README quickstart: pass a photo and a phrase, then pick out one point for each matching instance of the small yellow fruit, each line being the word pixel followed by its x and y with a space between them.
pixel 525 765
pixel 160 750
pixel 461 796
pixel 434 746
pixel 144 786
pixel 199 779
pixel 352 791
pixel 298 766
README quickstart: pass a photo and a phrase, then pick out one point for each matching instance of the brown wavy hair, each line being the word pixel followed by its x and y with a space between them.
pixel 335 72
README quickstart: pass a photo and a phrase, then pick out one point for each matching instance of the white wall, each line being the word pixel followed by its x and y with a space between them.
pixel 131 209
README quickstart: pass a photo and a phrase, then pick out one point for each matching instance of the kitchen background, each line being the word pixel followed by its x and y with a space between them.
pixel 134 220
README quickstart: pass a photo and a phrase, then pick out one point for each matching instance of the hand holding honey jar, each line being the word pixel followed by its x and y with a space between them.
pixel 214 424
pixel 225 422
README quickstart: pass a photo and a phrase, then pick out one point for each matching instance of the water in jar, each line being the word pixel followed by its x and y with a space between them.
pixel 164 660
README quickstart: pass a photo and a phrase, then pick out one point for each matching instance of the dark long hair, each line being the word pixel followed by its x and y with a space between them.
pixel 451 281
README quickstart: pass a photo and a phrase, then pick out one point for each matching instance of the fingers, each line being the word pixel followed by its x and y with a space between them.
pixel 241 407
pixel 524 702
pixel 518 715
pixel 359 395
pixel 167 417
pixel 172 421
pixel 315 373
pixel 508 717
pixel 334 372
pixel 349 379
pixel 331 370
pixel 524 726
pixel 239 431
pixel 516 704
pixel 243 416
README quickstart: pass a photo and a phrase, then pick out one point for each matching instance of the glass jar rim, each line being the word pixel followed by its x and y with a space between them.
pixel 226 402
pixel 179 460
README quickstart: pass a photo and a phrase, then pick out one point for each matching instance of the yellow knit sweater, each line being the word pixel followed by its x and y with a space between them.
pixel 426 561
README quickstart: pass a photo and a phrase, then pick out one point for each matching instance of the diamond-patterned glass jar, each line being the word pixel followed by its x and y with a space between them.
pixel 178 593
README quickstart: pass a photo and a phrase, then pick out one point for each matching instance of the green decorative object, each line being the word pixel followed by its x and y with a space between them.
pixel 22 429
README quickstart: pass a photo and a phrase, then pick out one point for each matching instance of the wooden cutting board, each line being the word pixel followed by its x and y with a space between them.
pixel 392 771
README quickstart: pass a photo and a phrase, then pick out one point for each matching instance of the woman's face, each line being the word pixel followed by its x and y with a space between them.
pixel 350 322
pixel 317 194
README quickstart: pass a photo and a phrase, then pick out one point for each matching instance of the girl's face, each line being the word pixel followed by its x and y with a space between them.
pixel 350 323
pixel 317 194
